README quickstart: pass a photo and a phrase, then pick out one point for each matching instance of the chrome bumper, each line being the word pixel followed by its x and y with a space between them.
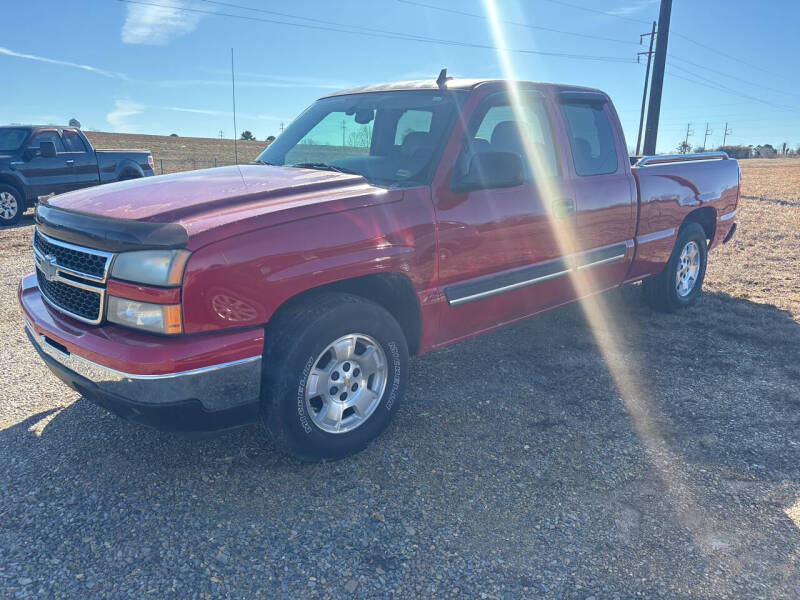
pixel 217 387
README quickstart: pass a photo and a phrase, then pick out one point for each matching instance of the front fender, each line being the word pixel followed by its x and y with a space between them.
pixel 242 280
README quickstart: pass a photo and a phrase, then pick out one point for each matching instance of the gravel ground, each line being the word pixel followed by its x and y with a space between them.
pixel 525 463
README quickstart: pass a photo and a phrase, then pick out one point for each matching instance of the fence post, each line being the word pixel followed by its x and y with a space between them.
pixel 161 163
pixel 215 162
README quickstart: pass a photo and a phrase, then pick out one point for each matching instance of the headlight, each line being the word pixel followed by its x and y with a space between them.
pixel 159 318
pixel 153 267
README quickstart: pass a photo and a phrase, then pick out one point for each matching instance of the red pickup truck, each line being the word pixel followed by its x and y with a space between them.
pixel 384 222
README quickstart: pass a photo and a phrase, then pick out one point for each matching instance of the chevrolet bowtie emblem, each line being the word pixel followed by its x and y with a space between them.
pixel 48 267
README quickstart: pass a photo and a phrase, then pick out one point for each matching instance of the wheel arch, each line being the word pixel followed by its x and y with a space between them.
pixel 129 171
pixel 392 291
pixel 706 217
pixel 15 183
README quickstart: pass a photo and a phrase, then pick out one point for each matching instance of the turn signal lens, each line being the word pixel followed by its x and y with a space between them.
pixel 158 318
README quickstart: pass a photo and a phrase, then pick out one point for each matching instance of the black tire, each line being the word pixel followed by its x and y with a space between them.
pixel 10 209
pixel 128 175
pixel 295 341
pixel 661 292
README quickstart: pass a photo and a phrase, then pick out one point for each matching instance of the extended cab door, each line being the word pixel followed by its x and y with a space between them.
pixel 46 175
pixel 84 161
pixel 603 188
pixel 498 255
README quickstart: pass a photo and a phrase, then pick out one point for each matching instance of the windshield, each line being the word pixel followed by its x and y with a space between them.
pixel 11 138
pixel 392 138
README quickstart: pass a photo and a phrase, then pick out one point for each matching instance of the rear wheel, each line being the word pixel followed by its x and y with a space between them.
pixel 126 175
pixel 335 370
pixel 11 205
pixel 680 284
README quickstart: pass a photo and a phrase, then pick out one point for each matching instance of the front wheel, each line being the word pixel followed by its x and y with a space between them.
pixel 335 371
pixel 11 205
pixel 680 284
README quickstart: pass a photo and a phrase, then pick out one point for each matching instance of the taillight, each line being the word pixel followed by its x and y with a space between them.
pixel 151 162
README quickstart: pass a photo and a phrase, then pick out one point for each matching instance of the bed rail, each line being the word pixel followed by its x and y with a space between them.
pixel 661 159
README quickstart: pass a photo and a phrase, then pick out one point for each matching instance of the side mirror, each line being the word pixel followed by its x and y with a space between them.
pixel 47 149
pixel 489 170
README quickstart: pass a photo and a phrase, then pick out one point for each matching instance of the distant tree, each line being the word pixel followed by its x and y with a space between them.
pixel 699 149
pixel 247 135
pixel 270 139
pixel 735 151
pixel 173 135
pixel 684 147
pixel 765 151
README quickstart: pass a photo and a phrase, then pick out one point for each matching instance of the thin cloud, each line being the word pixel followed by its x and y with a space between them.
pixel 632 8
pixel 123 110
pixel 158 25
pixel 62 63
pixel 120 117
pixel 244 82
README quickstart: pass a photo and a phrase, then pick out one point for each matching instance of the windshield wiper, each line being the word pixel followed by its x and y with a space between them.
pixel 325 167
pixel 263 162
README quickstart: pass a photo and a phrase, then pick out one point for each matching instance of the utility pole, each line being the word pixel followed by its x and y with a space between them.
pixel 649 53
pixel 705 137
pixel 726 134
pixel 688 133
pixel 221 134
pixel 654 109
pixel 281 126
pixel 343 128
pixel 233 91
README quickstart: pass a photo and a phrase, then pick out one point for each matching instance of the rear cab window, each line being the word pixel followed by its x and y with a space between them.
pixel 591 137
pixel 47 136
pixel 73 142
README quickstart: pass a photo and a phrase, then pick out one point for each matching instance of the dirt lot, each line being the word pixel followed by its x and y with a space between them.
pixel 526 463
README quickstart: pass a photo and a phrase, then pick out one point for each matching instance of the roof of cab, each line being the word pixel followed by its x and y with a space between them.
pixel 452 84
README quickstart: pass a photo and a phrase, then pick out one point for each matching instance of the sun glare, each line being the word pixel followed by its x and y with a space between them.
pixel 620 361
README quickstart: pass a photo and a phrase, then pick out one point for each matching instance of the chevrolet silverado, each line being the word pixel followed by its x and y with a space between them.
pixel 384 222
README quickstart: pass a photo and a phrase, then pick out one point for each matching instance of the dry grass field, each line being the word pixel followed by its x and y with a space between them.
pixel 180 153
pixel 530 462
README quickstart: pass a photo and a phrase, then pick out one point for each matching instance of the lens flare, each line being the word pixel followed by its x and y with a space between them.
pixel 607 332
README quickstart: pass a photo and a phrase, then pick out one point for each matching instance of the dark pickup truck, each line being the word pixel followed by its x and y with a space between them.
pixel 42 160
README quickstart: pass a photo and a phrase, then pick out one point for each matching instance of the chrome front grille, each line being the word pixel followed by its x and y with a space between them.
pixel 71 278
pixel 83 262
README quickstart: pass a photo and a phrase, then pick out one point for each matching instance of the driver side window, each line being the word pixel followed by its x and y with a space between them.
pixel 525 131
pixel 48 136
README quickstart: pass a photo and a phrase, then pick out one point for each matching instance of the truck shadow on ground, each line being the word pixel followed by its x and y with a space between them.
pixel 514 466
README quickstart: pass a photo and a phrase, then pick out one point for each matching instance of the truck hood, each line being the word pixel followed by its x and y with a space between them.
pixel 181 197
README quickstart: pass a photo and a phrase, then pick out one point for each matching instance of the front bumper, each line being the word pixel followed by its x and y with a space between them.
pixel 212 395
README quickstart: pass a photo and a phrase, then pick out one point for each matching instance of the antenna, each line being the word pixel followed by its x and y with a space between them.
pixel 233 91
pixel 442 80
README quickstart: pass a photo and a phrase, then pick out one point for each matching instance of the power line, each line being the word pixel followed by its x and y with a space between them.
pixel 728 75
pixel 516 23
pixel 705 82
pixel 387 34
pixel 676 34
pixel 729 56
pixel 599 12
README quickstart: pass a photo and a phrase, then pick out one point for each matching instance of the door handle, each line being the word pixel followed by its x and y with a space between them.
pixel 70 162
pixel 563 207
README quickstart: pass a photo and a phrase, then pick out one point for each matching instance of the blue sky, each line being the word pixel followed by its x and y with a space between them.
pixel 142 68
